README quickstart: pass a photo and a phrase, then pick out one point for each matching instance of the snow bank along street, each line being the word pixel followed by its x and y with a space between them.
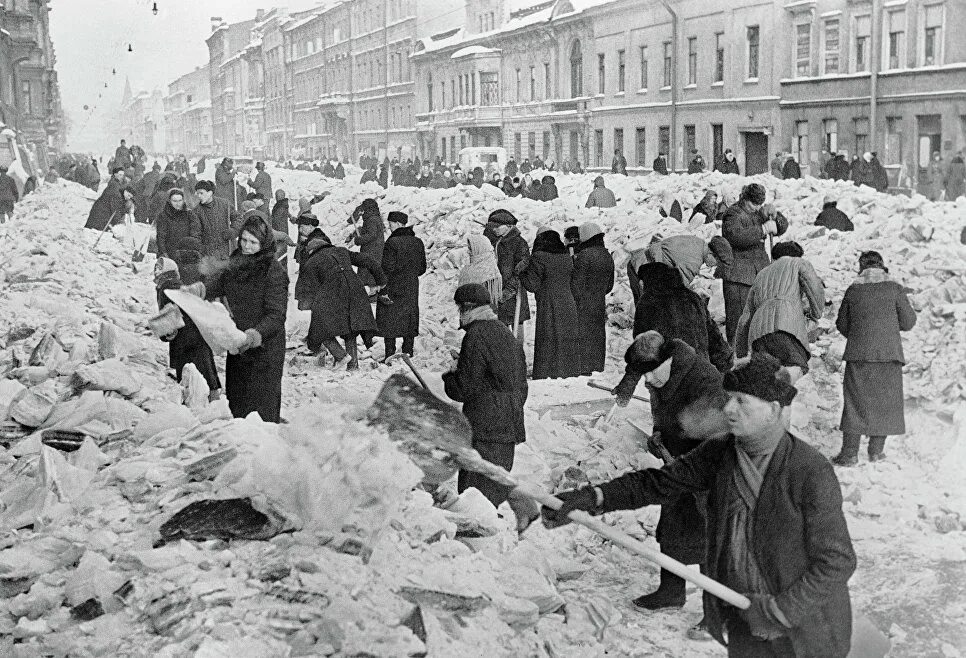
pixel 137 518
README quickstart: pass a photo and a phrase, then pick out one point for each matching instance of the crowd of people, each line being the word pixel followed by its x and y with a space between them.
pixel 756 507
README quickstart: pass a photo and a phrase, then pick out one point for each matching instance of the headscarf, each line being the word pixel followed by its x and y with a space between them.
pixel 482 267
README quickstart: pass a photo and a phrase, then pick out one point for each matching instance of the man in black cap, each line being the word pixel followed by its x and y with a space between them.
pixel 219 221
pixel 776 531
pixel 490 379
pixel 403 262
pixel 512 251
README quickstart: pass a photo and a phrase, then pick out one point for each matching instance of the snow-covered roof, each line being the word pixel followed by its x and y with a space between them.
pixel 473 50
pixel 297 24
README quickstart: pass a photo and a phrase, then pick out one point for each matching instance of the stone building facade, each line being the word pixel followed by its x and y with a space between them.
pixel 187 114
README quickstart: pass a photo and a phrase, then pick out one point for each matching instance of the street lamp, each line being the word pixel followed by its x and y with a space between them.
pixel 154 9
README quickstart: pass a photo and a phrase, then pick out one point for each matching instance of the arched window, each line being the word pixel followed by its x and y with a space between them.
pixel 576 71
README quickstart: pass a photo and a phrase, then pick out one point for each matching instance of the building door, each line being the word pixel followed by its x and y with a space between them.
pixel 756 153
pixel 930 138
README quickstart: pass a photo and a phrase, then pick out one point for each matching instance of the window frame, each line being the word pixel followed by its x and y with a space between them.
pixel 902 56
pixel 865 39
pixel 601 74
pixel 798 61
pixel 940 54
pixel 621 70
pixel 668 59
pixel 719 55
pixel 825 52
pixel 643 76
pixel 692 61
pixel 752 76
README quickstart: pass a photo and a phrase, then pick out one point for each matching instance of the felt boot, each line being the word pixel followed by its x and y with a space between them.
pixel 849 454
pixel 669 594
pixel 877 448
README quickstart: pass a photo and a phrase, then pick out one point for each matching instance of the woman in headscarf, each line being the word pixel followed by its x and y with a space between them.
pixel 254 287
pixel 547 274
pixel 873 312
pixel 548 188
pixel 482 268
pixel 174 223
pixel 371 236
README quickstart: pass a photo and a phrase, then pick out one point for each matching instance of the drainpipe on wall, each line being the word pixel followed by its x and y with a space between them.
pixel 874 62
pixel 674 83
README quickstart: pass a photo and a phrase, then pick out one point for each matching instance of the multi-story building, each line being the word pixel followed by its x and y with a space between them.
pixel 228 71
pixel 187 113
pixel 29 90
pixel 143 122
pixel 306 60
pixel 864 75
pixel 334 105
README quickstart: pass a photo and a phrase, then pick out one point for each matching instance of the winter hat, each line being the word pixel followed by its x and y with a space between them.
pixel 205 185
pixel 472 293
pixel 754 192
pixel 870 259
pixel 599 181
pixel 305 205
pixel 721 249
pixel 116 169
pixel 398 217
pixel 830 199
pixel 175 191
pixel 588 230
pixel 502 217
pixel 307 219
pixel 760 378
pixel 788 248
pixel 166 272
pixel 572 233
pixel 648 351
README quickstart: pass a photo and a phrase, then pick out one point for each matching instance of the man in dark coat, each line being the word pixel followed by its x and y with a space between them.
pixel 511 250
pixel 660 164
pixel 370 237
pixel 110 207
pixel 280 215
pixel 727 164
pixel 219 221
pixel 122 156
pixel 263 182
pixel 511 167
pixel 339 173
pixel 833 218
pixel 383 179
pixel 8 194
pixel 619 165
pixel 838 168
pixel 490 379
pixel 174 223
pixel 696 166
pixel 593 279
pixel 676 377
pixel 668 306
pixel 775 527
pixel 149 183
pixel 369 176
pixel 880 179
pixel 225 181
pixel 548 188
pixel 525 166
pixel 791 169
pixel 339 303
pixel 745 226
pixel 403 262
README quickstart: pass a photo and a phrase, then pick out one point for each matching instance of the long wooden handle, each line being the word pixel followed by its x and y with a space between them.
pixel 713 587
pixel 419 377
pixel 609 389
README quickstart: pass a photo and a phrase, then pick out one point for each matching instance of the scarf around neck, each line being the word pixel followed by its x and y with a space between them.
pixel 483 267
pixel 479 313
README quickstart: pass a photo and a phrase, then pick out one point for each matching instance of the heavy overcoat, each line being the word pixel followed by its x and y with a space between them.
pixel 593 278
pixel 173 226
pixel 403 262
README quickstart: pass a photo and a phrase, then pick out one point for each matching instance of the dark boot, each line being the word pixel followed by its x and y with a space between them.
pixel 390 346
pixel 352 349
pixel 877 448
pixel 849 454
pixel 669 594
pixel 408 345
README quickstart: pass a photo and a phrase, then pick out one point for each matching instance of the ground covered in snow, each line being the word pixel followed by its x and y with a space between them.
pixel 366 568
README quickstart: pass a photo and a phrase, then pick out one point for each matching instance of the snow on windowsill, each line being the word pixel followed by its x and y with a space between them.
pixel 719 83
pixel 751 81
pixel 642 91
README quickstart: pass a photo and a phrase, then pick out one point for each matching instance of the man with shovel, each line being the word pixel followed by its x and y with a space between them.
pixel 776 530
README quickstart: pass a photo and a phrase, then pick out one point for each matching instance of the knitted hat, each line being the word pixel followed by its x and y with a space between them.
pixel 588 230
pixel 307 219
pixel 472 293
pixel 397 217
pixel 502 217
pixel 759 377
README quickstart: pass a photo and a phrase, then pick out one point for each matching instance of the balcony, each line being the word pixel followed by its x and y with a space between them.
pixel 463 116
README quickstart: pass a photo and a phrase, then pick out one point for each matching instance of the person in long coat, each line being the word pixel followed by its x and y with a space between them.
pixel 262 184
pixel 219 221
pixel 511 249
pixel 873 312
pixel 254 287
pixel 310 240
pixel 727 164
pixel 776 531
pixel 547 274
pixel 745 225
pixel 490 379
pixel 482 268
pixel 370 237
pixel 774 302
pixel 956 178
pixel 791 169
pixel 175 223
pixel 675 311
pixel 676 377
pixel 593 278
pixel 659 166
pixel 225 181
pixel 600 196
pixel 186 344
pixel 110 207
pixel 403 262
pixel 935 177
pixel 340 305
pixel 548 188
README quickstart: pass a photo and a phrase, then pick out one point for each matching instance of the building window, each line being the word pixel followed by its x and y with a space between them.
pixel 547 81
pixel 473 87
pixel 664 140
pixel 667 64
pixel 489 89
pixel 462 94
pixel 932 38
pixel 533 83
pixel 831 129
pixel 801 142
pixel 690 141
pixel 600 73
pixel 452 93
pixel 893 141
pixel 639 143
pixel 896 42
pixel 643 67
pixel 861 131
pixel 692 60
pixel 517 146
pixel 576 71
pixel 863 42
pixel 619 140
pixel 518 96
pixel 754 43
pixel 598 148
pixel 830 61
pixel 621 68
pixel 719 57
pixel 28 104
pixel 442 96
pixel 532 146
pixel 803 49
pixel 546 144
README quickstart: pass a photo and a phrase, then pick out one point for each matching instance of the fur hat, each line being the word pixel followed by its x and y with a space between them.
pixel 205 185
pixel 502 217
pixel 648 351
pixel 307 219
pixel 760 377
pixel 472 293
pixel 398 217
pixel 589 230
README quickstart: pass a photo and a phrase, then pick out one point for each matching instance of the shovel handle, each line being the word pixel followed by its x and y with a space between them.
pixel 609 389
pixel 713 587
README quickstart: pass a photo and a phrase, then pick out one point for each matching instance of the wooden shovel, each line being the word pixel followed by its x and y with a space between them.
pixel 516 317
pixel 426 426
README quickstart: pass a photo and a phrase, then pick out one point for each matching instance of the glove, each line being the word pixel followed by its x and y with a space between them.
pixel 769 227
pixel 625 389
pixel 522 265
pixel 253 339
pixel 584 499
pixel 760 618
pixel 654 445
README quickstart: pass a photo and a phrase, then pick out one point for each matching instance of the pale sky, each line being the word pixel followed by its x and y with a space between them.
pixel 91 38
